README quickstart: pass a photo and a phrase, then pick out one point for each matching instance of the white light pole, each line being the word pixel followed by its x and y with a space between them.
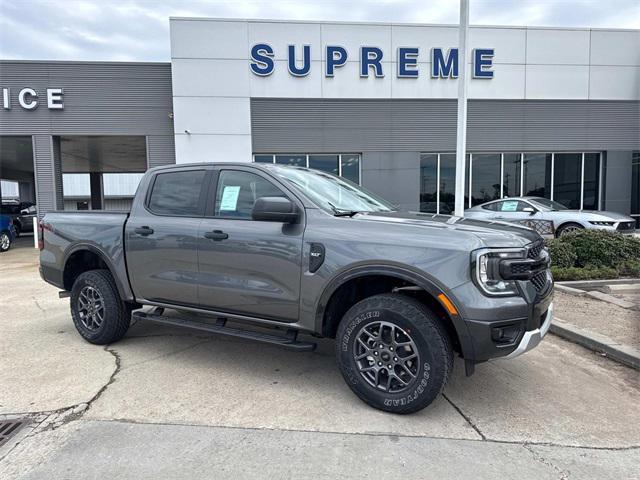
pixel 461 140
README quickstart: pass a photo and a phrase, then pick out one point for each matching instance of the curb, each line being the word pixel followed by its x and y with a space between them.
pixel 598 295
pixel 624 354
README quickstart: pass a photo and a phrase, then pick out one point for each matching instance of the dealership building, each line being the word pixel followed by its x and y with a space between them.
pixel 551 112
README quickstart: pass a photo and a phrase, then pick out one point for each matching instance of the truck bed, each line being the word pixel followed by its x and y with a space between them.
pixel 67 231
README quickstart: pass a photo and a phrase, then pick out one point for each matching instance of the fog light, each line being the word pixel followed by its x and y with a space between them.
pixel 505 333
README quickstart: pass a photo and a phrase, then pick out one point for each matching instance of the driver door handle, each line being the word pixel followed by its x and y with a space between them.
pixel 216 235
pixel 144 231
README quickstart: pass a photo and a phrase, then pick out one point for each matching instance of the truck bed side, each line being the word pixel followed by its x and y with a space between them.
pixel 83 240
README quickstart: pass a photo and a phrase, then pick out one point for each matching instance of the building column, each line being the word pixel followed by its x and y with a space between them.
pixel 97 190
pixel 48 173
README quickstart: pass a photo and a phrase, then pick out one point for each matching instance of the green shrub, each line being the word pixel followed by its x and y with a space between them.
pixel 601 248
pixel 562 254
pixel 573 273
pixel 630 268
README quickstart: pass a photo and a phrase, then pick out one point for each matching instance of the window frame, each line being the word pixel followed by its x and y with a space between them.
pixel 201 199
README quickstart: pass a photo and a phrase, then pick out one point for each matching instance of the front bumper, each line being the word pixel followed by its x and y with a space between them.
pixel 532 338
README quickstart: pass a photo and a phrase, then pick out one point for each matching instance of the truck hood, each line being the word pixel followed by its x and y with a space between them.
pixel 488 233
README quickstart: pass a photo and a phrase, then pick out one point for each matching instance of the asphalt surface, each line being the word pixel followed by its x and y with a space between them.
pixel 171 403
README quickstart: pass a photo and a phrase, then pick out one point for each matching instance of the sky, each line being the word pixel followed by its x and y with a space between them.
pixel 138 30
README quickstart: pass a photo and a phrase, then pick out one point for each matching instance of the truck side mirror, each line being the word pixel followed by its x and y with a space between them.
pixel 529 210
pixel 274 209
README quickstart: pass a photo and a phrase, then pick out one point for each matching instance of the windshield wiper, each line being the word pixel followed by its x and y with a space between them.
pixel 339 212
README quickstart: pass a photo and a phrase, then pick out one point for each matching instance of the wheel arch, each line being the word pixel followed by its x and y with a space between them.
pixel 84 257
pixel 337 291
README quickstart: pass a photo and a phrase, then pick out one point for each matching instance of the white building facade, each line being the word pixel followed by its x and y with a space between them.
pixel 552 112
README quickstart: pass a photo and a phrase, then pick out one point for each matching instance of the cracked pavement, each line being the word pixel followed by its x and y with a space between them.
pixel 171 403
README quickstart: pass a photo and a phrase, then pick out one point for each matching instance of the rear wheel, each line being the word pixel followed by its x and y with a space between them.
pixel 393 353
pixel 568 228
pixel 5 241
pixel 98 312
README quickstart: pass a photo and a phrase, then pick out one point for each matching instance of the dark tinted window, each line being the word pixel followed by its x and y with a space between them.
pixel 491 206
pixel 177 193
pixel 325 163
pixel 238 191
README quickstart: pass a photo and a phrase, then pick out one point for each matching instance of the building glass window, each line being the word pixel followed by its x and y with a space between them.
pixel 512 162
pixel 346 165
pixel 485 178
pixel 350 167
pixel 567 175
pixel 572 179
pixel 591 182
pixel 635 187
pixel 294 160
pixel 263 158
pixel 537 175
pixel 325 163
pixel 447 183
pixel 429 182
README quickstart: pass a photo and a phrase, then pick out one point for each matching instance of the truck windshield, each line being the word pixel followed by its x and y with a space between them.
pixel 339 196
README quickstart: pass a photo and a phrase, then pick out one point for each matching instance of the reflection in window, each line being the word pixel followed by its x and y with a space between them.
pixel 324 163
pixel 485 178
pixel 351 167
pixel 346 165
pixel 591 181
pixel 428 182
pixel 447 183
pixel 294 160
pixel 537 175
pixel 511 175
pixel 567 171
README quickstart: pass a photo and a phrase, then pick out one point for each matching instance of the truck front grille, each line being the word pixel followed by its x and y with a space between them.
pixel 540 280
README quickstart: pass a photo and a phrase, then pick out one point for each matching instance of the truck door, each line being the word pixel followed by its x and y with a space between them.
pixel 248 267
pixel 161 237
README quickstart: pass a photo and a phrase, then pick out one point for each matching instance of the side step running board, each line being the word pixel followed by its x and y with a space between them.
pixel 289 341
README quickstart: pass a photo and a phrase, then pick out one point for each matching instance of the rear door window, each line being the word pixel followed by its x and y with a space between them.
pixel 178 193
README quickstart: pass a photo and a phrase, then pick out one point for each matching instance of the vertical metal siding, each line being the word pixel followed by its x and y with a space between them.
pixel 160 150
pixel 44 174
pixel 323 125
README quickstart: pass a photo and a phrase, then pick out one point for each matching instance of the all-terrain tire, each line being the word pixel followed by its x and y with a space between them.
pixel 431 341
pixel 116 314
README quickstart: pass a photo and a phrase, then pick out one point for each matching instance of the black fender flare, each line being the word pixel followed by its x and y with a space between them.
pixel 125 292
pixel 430 285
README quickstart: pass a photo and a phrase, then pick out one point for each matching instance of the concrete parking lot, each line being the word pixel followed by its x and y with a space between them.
pixel 166 403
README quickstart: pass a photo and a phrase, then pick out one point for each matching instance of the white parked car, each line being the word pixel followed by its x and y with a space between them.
pixel 564 220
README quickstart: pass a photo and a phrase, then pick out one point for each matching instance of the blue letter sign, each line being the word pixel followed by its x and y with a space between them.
pixel 306 61
pixel 482 63
pixel 407 57
pixel 444 68
pixel 336 57
pixel 370 57
pixel 262 56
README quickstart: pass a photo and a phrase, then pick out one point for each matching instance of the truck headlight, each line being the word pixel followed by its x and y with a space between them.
pixel 486 270
pixel 602 223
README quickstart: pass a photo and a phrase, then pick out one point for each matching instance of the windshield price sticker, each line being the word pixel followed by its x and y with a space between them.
pixel 229 200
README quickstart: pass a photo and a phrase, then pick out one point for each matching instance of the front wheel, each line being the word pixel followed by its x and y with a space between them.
pixel 5 241
pixel 568 228
pixel 393 353
pixel 98 312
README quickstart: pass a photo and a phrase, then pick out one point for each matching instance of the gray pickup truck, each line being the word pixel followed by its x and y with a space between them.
pixel 267 252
